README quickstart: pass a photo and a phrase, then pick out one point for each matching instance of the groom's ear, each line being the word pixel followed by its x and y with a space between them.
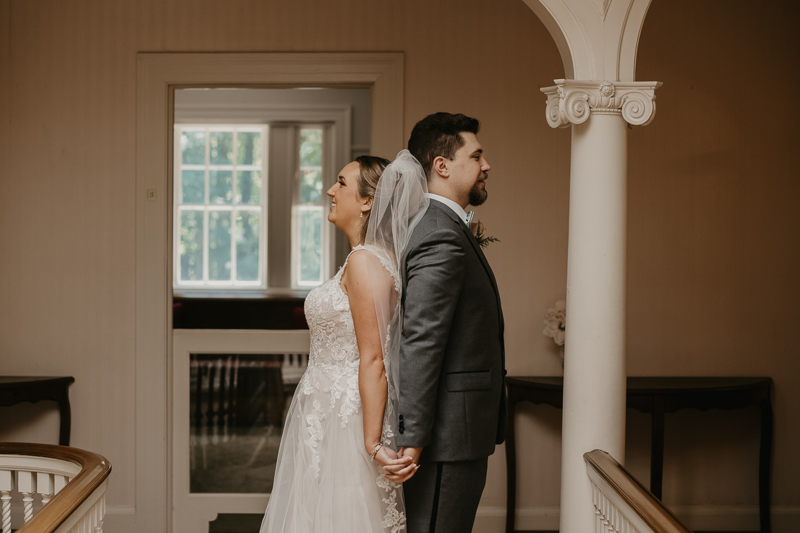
pixel 440 166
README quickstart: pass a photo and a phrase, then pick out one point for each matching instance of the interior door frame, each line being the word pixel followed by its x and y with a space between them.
pixel 158 75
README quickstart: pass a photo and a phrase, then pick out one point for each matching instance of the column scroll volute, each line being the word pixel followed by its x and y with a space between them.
pixel 571 102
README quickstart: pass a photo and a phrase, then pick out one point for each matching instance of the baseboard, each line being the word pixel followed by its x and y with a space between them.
pixel 785 519
pixel 726 518
pixel 120 519
pixel 493 519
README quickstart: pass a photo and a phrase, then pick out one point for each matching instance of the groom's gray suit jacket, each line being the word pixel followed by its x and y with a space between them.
pixel 452 358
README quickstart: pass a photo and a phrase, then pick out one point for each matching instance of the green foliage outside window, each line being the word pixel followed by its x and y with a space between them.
pixel 311 245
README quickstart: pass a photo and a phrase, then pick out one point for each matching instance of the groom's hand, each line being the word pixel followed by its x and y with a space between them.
pixel 414 453
pixel 398 468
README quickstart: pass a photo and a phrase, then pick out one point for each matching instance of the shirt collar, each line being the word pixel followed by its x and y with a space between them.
pixel 457 209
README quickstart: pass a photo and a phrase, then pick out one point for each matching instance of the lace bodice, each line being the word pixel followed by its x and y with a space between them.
pixel 333 336
pixel 334 349
pixel 333 359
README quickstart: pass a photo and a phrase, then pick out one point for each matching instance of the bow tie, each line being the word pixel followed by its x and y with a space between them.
pixel 469 217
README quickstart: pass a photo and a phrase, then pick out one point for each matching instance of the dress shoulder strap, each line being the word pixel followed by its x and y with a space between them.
pixel 355 249
pixel 382 258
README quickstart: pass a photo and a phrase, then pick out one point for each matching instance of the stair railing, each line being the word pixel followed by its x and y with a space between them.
pixel 623 504
pixel 71 484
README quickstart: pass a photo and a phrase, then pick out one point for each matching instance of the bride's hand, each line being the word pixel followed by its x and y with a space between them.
pixel 398 469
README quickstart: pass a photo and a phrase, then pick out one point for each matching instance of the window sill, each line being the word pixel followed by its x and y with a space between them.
pixel 241 294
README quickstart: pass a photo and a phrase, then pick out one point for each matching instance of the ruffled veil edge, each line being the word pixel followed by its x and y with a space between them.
pixel 398 206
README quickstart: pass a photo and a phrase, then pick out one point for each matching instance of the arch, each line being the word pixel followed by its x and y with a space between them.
pixel 597 39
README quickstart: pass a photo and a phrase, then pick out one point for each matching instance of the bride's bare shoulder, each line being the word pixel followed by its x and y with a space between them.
pixel 364 265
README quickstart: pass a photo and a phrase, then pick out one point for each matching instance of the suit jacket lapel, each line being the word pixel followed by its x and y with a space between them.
pixel 471 238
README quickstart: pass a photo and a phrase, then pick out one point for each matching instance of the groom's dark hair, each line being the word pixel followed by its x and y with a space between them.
pixel 439 135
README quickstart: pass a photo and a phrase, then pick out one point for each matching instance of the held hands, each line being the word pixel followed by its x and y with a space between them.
pixel 414 453
pixel 398 468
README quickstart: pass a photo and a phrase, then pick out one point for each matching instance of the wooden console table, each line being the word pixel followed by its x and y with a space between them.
pixel 18 389
pixel 656 396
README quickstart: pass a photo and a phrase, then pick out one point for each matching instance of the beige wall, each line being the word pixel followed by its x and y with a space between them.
pixel 713 204
pixel 713 229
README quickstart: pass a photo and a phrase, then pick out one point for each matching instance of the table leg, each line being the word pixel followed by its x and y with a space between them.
pixel 657 447
pixel 511 465
pixel 65 414
pixel 764 460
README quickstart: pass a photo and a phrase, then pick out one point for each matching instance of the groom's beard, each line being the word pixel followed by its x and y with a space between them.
pixel 478 195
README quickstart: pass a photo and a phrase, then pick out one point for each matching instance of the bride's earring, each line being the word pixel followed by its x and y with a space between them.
pixel 361 215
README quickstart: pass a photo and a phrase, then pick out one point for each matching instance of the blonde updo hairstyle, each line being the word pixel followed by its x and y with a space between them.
pixel 370 170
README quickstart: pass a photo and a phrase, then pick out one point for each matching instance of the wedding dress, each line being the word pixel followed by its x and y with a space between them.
pixel 324 479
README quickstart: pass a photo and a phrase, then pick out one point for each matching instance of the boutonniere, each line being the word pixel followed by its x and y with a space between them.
pixel 479 231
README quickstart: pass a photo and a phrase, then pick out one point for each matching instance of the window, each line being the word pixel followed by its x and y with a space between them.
pixel 251 169
pixel 226 209
pixel 220 202
pixel 308 217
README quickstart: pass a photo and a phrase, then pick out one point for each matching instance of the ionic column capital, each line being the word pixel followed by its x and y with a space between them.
pixel 571 102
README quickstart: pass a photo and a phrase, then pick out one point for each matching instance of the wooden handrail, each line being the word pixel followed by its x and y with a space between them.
pixel 648 507
pixel 94 470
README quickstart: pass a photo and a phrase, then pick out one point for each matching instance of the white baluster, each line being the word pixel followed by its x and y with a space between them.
pixel 6 485
pixel 26 485
pixel 101 513
pixel 60 483
pixel 81 526
pixel 45 486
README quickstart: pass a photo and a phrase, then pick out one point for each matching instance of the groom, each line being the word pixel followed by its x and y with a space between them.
pixel 452 407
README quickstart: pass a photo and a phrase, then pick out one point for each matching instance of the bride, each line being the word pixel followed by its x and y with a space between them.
pixel 337 467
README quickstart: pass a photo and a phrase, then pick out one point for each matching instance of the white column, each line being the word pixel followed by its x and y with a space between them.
pixel 594 363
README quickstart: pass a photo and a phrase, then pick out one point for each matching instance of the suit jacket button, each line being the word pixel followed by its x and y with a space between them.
pixel 401 417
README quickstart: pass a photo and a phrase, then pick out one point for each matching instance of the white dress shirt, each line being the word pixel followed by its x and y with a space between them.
pixel 457 209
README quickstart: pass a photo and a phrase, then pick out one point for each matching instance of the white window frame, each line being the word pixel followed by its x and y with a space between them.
pixel 207 207
pixel 337 151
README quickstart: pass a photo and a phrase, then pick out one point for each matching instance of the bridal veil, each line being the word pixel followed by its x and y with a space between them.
pixel 398 206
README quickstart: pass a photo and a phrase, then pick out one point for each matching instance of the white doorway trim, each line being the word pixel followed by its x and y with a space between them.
pixel 158 75
pixel 192 512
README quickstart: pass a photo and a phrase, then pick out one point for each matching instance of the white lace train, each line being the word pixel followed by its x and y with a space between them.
pixel 324 479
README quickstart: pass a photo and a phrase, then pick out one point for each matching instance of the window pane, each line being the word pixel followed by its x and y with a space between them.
pixel 310 244
pixel 249 149
pixel 248 224
pixel 193 186
pixel 220 186
pixel 311 147
pixel 219 245
pixel 193 147
pixel 310 185
pixel 192 245
pixel 221 148
pixel 249 184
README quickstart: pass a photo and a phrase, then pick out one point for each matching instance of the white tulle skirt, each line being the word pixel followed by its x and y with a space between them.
pixel 324 479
